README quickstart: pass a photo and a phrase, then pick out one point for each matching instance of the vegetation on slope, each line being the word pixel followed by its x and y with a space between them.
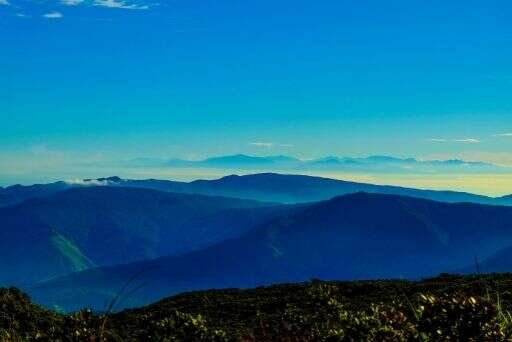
pixel 447 308
pixel 78 261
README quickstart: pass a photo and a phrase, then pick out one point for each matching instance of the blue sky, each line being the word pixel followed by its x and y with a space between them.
pixel 101 80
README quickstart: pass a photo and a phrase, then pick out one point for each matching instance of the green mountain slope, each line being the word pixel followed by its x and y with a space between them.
pixel 76 259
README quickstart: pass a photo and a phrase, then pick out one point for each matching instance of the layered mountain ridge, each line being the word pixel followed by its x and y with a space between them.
pixel 82 227
pixel 266 187
pixel 357 236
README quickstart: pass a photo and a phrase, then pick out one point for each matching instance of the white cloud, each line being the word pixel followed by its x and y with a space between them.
pixel 119 4
pixel 53 15
pixel 262 144
pixel 4 2
pixel 467 141
pixel 88 182
pixel 471 141
pixel 503 135
pixel 269 144
pixel 71 2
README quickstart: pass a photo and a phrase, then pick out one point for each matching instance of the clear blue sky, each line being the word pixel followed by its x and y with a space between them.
pixel 110 79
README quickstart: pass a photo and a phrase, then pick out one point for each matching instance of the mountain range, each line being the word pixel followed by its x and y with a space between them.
pixel 75 244
pixel 356 236
pixel 266 187
pixel 80 228
pixel 282 163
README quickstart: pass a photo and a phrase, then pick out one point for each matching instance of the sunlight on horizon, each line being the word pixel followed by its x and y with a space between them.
pixel 483 184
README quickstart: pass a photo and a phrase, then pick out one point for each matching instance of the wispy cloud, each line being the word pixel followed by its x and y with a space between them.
pixel 268 144
pixel 71 2
pixel 471 141
pixel 53 15
pixel 262 144
pixel 119 4
pixel 88 182
pixel 503 135
pixel 122 4
pixel 467 141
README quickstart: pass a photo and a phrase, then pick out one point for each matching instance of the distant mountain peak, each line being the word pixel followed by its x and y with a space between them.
pixel 382 158
pixel 247 159
pixel 114 179
pixel 235 157
pixel 280 162
pixel 327 160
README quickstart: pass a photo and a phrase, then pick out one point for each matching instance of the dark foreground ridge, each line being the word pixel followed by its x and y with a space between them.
pixel 470 308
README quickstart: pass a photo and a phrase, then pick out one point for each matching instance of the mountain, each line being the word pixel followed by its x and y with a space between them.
pixel 272 187
pixel 329 160
pixel 18 193
pixel 281 163
pixel 97 226
pixel 506 199
pixel 357 236
pixel 239 159
pixel 30 251
pixel 387 159
pixel 266 187
pixel 499 262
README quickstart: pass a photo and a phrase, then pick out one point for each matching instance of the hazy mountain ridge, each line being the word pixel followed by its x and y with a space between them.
pixel 205 226
pixel 19 193
pixel 266 187
pixel 283 162
pixel 358 236
pixel 111 225
pixel 298 188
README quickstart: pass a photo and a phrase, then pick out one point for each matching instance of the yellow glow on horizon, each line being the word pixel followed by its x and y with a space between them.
pixel 483 184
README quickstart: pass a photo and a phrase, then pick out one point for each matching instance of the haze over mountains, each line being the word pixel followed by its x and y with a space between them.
pixel 74 244
pixel 384 164
pixel 266 187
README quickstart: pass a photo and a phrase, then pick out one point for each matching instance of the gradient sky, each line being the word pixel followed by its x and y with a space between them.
pixel 101 80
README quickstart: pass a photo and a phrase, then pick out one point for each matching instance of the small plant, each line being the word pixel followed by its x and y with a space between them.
pixel 332 321
pixel 460 317
pixel 448 308
pixel 184 327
